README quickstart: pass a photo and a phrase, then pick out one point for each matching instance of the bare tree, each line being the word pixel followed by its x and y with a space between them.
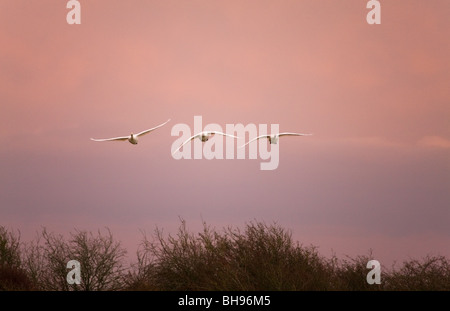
pixel 100 258
pixel 9 248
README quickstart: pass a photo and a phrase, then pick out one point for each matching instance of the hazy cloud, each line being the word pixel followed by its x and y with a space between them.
pixel 434 142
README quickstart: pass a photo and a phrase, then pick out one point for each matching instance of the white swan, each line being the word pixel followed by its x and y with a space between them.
pixel 273 139
pixel 132 138
pixel 203 136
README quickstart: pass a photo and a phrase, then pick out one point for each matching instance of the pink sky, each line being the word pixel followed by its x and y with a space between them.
pixel 375 175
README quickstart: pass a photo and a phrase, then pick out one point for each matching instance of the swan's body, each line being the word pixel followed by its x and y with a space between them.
pixel 273 139
pixel 132 138
pixel 203 136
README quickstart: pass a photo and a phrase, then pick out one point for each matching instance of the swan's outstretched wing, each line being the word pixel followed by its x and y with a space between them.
pixel 111 139
pixel 201 134
pixel 293 134
pixel 187 140
pixel 220 133
pixel 152 129
pixel 256 138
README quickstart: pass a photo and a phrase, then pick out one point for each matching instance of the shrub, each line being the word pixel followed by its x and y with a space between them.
pixel 262 257
pixel 12 277
pixel 351 274
pixel 432 273
pixel 9 248
pixel 259 257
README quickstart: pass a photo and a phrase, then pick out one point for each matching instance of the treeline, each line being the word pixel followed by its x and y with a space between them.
pixel 259 257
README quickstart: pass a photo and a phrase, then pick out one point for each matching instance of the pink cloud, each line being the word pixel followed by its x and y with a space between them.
pixel 434 142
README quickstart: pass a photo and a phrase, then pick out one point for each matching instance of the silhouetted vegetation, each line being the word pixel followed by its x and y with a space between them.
pixel 12 276
pixel 260 257
pixel 429 274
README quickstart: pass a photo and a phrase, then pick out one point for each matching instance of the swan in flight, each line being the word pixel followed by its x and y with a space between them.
pixel 273 139
pixel 203 136
pixel 132 138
